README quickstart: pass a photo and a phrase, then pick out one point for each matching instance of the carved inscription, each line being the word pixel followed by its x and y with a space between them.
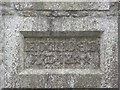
pixel 49 53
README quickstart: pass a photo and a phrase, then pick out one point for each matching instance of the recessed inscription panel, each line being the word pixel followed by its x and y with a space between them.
pixel 58 53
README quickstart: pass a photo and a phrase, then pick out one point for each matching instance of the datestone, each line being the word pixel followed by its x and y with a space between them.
pixel 58 44
pixel 59 53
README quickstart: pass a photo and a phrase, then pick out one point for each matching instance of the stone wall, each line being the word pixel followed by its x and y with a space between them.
pixel 81 41
pixel 2 69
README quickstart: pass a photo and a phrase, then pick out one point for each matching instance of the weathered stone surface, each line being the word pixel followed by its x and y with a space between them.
pixel 61 78
pixel 35 9
pixel 63 6
pixel 2 68
pixel 64 52
pixel 32 24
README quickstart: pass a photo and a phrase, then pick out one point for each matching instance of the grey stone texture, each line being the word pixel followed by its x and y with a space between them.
pixel 59 45
pixel 58 52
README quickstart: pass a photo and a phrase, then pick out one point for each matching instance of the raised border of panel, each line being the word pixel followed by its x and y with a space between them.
pixel 60 71
pixel 33 34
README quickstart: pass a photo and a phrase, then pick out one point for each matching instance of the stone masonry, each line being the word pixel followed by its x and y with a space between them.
pixel 58 45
